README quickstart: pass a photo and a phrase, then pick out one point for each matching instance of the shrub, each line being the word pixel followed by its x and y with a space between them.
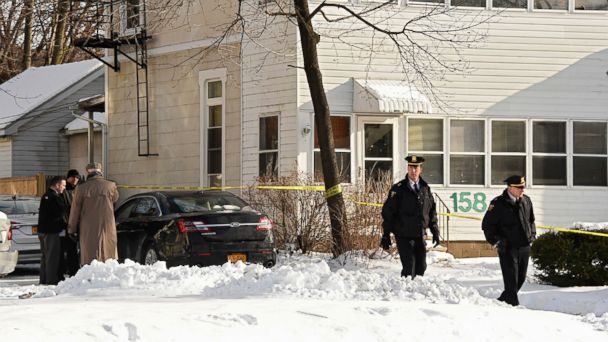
pixel 570 259
pixel 302 218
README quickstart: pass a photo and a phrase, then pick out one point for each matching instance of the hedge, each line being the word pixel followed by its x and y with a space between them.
pixel 568 259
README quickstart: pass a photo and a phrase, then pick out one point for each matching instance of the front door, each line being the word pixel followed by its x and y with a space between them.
pixel 377 146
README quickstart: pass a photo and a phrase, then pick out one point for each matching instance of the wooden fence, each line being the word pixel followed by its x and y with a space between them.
pixel 24 185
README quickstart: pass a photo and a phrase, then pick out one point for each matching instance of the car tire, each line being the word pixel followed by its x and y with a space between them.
pixel 149 255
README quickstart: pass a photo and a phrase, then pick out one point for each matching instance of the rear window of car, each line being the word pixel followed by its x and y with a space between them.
pixel 196 203
pixel 19 206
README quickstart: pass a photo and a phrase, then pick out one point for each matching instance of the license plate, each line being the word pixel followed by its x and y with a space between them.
pixel 236 257
pixel 34 230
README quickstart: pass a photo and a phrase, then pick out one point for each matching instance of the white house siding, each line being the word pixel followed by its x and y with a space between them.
pixel 5 157
pixel 174 114
pixel 270 88
pixel 532 65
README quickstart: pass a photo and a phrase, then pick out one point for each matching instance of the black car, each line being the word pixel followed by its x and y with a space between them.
pixel 193 228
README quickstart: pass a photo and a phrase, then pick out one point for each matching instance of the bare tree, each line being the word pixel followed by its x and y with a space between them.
pixel 40 32
pixel 27 34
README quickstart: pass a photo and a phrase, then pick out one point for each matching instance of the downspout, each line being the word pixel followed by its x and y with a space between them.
pixel 104 139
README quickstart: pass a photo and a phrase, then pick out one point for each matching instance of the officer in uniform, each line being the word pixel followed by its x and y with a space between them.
pixel 508 225
pixel 407 212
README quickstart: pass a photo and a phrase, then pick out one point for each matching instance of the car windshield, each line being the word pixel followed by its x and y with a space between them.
pixel 201 202
pixel 19 206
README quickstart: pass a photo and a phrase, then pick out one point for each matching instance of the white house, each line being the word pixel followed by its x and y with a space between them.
pixel 534 101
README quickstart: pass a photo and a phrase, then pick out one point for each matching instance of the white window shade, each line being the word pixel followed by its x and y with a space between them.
pixel 382 96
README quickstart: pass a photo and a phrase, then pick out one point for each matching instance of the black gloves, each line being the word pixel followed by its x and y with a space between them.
pixel 436 240
pixel 73 237
pixel 385 242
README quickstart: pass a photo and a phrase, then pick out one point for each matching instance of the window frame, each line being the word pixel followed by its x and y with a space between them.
pixel 351 141
pixel 532 154
pixel 573 154
pixel 205 77
pixel 484 153
pixel 278 149
pixel 444 145
pixel 491 153
pixel 126 29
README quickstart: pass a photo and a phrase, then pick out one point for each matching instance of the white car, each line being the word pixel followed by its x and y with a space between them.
pixel 8 257
pixel 23 213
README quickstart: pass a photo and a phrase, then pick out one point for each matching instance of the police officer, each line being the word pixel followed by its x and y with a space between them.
pixel 407 212
pixel 508 225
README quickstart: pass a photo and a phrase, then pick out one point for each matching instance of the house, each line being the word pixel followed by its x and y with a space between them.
pixel 534 102
pixel 35 106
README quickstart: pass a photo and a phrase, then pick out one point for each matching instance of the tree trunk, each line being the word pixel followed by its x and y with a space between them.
pixel 63 8
pixel 27 34
pixel 335 201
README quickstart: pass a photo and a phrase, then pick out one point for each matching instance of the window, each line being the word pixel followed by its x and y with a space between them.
pixel 131 16
pixel 548 153
pixel 146 206
pixel 341 129
pixel 589 154
pixel 425 137
pixel 214 133
pixel 468 3
pixel 467 149
pixel 269 147
pixel 591 5
pixel 378 150
pixel 510 4
pixel 508 150
pixel 551 4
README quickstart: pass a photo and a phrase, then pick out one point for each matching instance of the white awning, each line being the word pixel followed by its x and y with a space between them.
pixel 383 96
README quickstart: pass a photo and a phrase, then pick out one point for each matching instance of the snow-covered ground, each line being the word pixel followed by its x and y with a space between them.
pixel 303 298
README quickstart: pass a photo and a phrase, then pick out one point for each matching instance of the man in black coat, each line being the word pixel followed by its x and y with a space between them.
pixel 52 220
pixel 407 212
pixel 70 260
pixel 509 226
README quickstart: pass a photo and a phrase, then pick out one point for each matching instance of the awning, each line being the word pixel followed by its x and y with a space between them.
pixel 383 96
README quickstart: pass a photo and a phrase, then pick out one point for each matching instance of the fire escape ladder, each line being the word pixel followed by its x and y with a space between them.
pixel 121 29
pixel 143 119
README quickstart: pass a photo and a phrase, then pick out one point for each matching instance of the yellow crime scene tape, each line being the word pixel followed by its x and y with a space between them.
pixel 333 191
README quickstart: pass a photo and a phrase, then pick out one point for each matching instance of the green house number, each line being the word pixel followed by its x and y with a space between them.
pixel 465 202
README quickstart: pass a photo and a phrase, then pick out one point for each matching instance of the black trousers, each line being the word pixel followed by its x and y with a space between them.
pixel 50 247
pixel 514 265
pixel 412 252
pixel 70 261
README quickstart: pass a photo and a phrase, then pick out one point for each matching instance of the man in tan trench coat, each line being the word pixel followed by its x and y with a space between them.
pixel 93 212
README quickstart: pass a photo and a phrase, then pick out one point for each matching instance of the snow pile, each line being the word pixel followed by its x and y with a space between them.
pixel 300 277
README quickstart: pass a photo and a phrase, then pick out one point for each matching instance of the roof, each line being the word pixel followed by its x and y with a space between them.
pixel 33 87
pixel 77 125
pixel 388 96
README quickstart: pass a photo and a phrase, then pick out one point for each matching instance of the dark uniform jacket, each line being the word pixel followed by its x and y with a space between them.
pixel 407 213
pixel 52 215
pixel 512 223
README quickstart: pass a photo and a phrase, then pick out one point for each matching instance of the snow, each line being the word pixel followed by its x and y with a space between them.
pixel 31 88
pixel 302 298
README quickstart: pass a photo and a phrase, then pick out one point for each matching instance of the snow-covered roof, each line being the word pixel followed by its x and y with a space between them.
pixel 33 87
pixel 78 125
pixel 386 96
